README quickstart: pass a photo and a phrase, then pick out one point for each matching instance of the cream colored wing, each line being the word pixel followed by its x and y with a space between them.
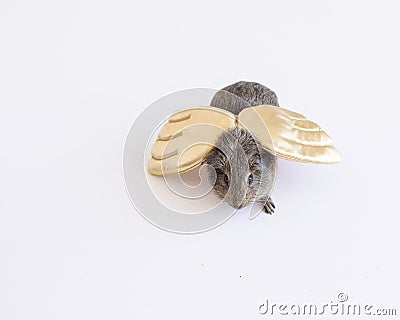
pixel 185 140
pixel 288 134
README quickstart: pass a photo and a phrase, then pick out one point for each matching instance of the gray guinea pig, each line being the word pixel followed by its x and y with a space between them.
pixel 244 170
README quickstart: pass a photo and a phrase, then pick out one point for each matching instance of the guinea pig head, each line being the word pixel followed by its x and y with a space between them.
pixel 235 164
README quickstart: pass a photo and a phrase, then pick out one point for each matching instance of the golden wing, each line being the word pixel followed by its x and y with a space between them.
pixel 185 140
pixel 288 134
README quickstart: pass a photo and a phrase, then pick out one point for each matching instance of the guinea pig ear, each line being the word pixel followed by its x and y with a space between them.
pixel 186 139
pixel 289 135
pixel 216 158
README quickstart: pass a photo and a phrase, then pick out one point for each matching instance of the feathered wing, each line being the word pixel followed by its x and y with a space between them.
pixel 185 140
pixel 289 135
pixel 190 134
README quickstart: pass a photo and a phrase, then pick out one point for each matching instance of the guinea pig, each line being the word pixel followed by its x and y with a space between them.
pixel 241 170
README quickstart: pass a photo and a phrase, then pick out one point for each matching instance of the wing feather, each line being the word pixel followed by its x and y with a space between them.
pixel 185 140
pixel 289 135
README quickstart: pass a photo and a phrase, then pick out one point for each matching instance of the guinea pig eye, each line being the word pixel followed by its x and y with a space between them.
pixel 226 179
pixel 250 179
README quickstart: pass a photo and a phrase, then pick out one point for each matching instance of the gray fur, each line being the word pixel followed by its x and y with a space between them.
pixel 241 95
pixel 238 154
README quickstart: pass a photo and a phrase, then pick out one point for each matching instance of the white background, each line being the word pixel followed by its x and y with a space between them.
pixel 74 75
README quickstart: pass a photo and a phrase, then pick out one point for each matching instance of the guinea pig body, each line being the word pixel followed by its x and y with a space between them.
pixel 244 170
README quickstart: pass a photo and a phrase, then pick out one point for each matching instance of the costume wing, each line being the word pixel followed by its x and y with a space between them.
pixel 186 139
pixel 288 134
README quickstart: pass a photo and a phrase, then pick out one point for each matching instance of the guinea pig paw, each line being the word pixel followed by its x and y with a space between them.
pixel 269 206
